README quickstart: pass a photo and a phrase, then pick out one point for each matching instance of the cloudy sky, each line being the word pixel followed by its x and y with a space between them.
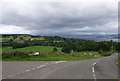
pixel 53 17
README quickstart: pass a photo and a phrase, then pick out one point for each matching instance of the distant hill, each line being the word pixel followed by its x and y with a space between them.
pixel 113 37
pixel 7 35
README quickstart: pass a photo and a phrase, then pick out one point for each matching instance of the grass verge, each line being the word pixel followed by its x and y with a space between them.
pixel 46 54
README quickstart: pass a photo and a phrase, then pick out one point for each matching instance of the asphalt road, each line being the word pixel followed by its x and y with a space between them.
pixel 100 68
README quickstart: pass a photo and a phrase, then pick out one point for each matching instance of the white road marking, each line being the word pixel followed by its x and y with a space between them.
pixel 38 67
pixel 42 65
pixel 94 64
pixel 56 62
pixel 11 75
pixel 93 70
pixel 27 70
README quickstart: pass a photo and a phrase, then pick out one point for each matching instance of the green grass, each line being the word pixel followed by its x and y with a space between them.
pixel 53 57
pixel 24 38
pixel 31 49
pixel 58 41
pixel 5 39
pixel 47 54
pixel 31 38
pixel 0 39
pixel 38 38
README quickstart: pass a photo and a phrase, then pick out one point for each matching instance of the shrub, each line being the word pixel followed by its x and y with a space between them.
pixel 55 49
pixel 66 50
pixel 15 53
pixel 106 53
pixel 6 55
pixel 100 51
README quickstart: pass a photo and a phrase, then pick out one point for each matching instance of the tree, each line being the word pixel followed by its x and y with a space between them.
pixel 55 49
pixel 66 49
pixel 21 38
pixel 18 45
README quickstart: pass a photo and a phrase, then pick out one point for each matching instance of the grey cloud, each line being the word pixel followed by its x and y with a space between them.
pixel 54 18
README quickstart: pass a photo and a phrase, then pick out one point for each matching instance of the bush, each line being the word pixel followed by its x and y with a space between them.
pixel 55 49
pixel 19 45
pixel 6 55
pixel 66 50
pixel 100 51
pixel 106 53
pixel 15 53
pixel 43 55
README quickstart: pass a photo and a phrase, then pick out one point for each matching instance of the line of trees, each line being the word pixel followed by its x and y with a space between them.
pixel 67 44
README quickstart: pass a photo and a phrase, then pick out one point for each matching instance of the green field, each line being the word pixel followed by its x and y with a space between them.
pixel 31 49
pixel 25 38
pixel 5 39
pixel 30 38
pixel 46 54
pixel 0 39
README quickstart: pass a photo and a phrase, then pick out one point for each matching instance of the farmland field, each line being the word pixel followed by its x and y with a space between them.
pixel 6 39
pixel 31 48
pixel 46 54
pixel 19 47
pixel 0 39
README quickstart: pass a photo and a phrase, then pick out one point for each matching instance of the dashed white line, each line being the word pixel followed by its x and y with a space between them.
pixel 27 70
pixel 42 66
pixel 93 70
pixel 36 68
pixel 11 75
pixel 94 64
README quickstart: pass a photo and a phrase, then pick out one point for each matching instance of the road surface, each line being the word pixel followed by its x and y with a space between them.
pixel 99 68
